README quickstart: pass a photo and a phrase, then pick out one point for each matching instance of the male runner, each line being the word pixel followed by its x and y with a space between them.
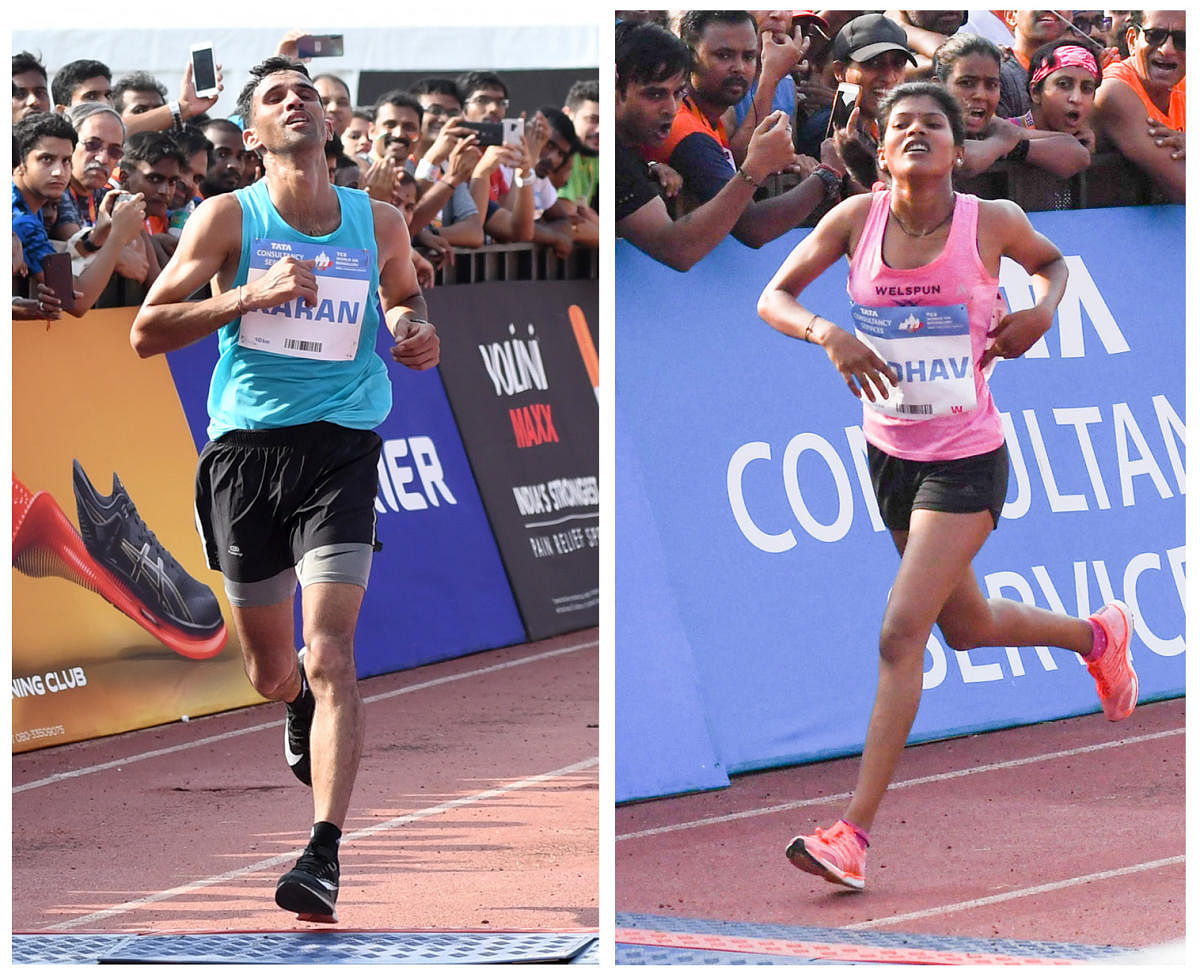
pixel 285 489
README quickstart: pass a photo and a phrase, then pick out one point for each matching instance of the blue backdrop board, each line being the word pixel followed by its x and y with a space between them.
pixel 754 467
pixel 438 588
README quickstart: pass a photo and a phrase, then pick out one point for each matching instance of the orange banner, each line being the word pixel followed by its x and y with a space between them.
pixel 98 643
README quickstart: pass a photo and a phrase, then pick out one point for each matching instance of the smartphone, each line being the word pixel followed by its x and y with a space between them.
pixel 844 101
pixel 204 70
pixel 490 133
pixel 512 131
pixel 56 271
pixel 320 46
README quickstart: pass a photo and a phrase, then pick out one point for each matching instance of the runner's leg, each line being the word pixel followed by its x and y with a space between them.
pixel 330 612
pixel 936 552
pixel 267 634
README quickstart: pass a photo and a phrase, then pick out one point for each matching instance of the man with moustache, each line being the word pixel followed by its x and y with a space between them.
pixel 652 66
pixel 724 46
pixel 100 148
pixel 45 144
pixel 1141 109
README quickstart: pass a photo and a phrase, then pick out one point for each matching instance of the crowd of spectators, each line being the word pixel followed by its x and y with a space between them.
pixel 108 173
pixel 709 104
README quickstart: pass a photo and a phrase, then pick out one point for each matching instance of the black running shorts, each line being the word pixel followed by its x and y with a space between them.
pixel 266 498
pixel 961 485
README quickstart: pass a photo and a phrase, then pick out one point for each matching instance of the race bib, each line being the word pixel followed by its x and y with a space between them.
pixel 328 330
pixel 929 348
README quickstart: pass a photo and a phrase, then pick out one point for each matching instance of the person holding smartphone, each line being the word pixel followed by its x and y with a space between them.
pixel 286 486
pixel 935 443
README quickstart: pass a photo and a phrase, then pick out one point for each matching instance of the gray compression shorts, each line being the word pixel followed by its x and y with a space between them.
pixel 340 563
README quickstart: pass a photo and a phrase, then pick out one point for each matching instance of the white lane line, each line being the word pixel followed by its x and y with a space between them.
pixel 912 782
pixel 1016 894
pixel 217 738
pixel 288 857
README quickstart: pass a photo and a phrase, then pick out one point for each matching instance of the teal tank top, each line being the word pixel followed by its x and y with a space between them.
pixel 295 364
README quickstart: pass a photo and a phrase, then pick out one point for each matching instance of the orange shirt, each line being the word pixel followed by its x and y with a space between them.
pixel 1176 115
pixel 688 119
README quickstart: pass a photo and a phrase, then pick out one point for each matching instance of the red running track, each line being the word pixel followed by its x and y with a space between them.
pixel 1068 831
pixel 476 808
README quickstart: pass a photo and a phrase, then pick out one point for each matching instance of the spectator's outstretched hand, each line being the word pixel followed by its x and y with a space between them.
pixel 190 104
pixel 46 305
pixel 782 52
pixel 424 270
pixel 770 149
pixel 668 179
pixel 451 132
pixel 380 181
pixel 1166 137
pixel 494 156
pixel 289 45
pixel 463 158
pixel 128 216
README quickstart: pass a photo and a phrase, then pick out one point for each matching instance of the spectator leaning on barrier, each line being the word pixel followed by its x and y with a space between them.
pixel 30 90
pixel 440 103
pixel 1141 108
pixel 652 69
pixel 152 167
pixel 724 51
pixel 485 99
pixel 1064 77
pixel 44 147
pixel 582 107
pixel 563 215
pixel 969 67
pixel 772 88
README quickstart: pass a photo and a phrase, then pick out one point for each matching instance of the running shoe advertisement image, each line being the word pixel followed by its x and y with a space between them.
pixel 117 621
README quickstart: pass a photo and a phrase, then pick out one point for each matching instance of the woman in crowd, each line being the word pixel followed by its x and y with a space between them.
pixel 969 67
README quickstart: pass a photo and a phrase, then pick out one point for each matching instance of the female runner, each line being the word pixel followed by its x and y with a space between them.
pixel 935 447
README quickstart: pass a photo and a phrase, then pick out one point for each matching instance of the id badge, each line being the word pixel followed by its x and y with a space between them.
pixel 328 330
pixel 929 348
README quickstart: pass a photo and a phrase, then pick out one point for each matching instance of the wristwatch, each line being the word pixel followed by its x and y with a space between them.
pixel 520 181
pixel 177 114
pixel 831 179
pixel 87 244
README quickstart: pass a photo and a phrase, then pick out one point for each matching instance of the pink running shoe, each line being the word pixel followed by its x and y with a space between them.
pixel 835 854
pixel 1116 682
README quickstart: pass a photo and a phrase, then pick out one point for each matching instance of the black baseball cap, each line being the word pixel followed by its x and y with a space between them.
pixel 866 36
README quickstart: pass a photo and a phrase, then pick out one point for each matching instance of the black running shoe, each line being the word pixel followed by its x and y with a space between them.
pixel 297 727
pixel 310 889
pixel 118 539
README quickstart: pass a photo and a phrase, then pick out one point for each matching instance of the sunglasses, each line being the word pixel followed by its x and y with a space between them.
pixel 1156 37
pixel 111 150
pixel 1093 23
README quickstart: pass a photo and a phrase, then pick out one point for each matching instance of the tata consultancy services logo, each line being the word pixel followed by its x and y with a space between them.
pixel 323 261
pixel 911 324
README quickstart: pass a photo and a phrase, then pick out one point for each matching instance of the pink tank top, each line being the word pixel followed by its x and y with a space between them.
pixel 931 324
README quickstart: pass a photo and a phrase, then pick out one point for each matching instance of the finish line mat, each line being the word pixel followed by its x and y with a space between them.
pixel 307 947
pixel 650 939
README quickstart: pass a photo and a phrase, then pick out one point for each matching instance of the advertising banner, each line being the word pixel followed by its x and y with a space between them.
pixel 774 555
pixel 523 400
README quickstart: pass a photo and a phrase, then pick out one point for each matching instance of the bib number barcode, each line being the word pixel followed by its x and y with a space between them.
pixel 306 346
pixel 914 408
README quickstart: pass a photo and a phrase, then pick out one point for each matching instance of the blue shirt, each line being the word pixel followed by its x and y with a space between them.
pixel 27 225
pixel 253 388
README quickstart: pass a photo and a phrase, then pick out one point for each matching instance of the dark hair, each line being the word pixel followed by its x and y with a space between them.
pixel 71 75
pixel 470 82
pixel 401 99
pixel 958 46
pixel 365 114
pixel 585 90
pixel 23 61
pixel 694 22
pixel 333 77
pixel 947 102
pixel 32 128
pixel 646 52
pixel 191 139
pixel 405 178
pixel 436 86
pixel 260 71
pixel 563 125
pixel 138 81
pixel 152 147
pixel 227 124
pixel 1045 53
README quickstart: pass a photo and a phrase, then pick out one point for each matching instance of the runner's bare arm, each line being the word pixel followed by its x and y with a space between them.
pixel 834 236
pixel 1009 232
pixel 209 249
pixel 417 344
